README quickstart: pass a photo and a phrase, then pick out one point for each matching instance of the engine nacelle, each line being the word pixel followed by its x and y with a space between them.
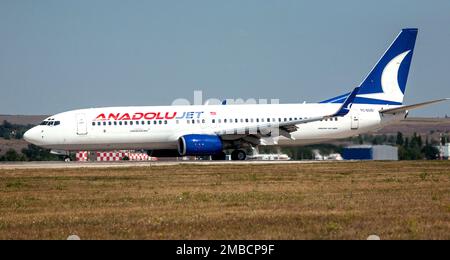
pixel 199 145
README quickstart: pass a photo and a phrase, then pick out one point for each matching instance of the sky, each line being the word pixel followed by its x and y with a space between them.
pixel 59 55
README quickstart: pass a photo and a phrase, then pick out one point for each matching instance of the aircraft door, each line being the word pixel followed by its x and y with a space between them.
pixel 354 121
pixel 81 124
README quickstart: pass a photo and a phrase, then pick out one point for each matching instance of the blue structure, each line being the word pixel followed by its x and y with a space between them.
pixel 371 152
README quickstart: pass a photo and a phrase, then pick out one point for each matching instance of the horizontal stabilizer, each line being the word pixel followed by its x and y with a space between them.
pixel 411 107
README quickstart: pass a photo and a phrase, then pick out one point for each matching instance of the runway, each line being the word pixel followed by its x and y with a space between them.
pixel 127 164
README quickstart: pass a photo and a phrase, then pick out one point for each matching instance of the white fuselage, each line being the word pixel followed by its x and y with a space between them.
pixel 154 128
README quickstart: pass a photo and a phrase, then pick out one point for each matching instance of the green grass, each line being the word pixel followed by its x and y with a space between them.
pixel 395 200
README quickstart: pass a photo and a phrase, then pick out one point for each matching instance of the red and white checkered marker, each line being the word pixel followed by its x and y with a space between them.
pixel 138 157
pixel 110 156
pixel 82 156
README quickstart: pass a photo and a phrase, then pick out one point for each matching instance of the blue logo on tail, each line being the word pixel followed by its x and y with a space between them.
pixel 386 83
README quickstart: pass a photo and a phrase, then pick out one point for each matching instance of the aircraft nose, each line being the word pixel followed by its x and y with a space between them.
pixel 31 136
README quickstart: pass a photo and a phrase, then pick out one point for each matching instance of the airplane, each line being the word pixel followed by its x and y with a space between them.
pixel 213 130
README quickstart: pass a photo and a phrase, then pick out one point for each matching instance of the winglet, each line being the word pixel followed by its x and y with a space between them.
pixel 345 108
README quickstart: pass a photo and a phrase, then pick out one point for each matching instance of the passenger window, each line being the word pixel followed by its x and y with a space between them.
pixel 120 123
pixel 115 122
pixel 125 122
pixel 131 122
pixel 160 122
pixel 214 121
pixel 93 123
pixel 165 122
pixel 109 123
pixel 203 121
pixel 104 123
pixel 98 123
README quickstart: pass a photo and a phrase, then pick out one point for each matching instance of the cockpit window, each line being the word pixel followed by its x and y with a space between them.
pixel 50 123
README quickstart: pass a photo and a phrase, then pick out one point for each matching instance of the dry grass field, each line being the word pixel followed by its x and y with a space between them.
pixel 395 200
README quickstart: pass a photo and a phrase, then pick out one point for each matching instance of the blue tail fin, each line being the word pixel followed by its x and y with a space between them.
pixel 386 83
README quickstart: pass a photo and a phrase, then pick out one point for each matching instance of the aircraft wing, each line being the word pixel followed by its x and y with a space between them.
pixel 401 109
pixel 285 128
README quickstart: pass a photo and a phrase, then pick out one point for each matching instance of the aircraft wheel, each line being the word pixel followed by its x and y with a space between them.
pixel 238 155
pixel 67 159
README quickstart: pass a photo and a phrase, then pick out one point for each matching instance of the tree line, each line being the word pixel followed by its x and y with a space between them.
pixel 13 131
pixel 414 148
pixel 409 148
pixel 31 153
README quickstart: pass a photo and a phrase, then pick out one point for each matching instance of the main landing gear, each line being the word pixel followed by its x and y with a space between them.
pixel 238 155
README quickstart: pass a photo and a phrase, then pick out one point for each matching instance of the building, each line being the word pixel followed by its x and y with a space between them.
pixel 371 152
pixel 444 151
